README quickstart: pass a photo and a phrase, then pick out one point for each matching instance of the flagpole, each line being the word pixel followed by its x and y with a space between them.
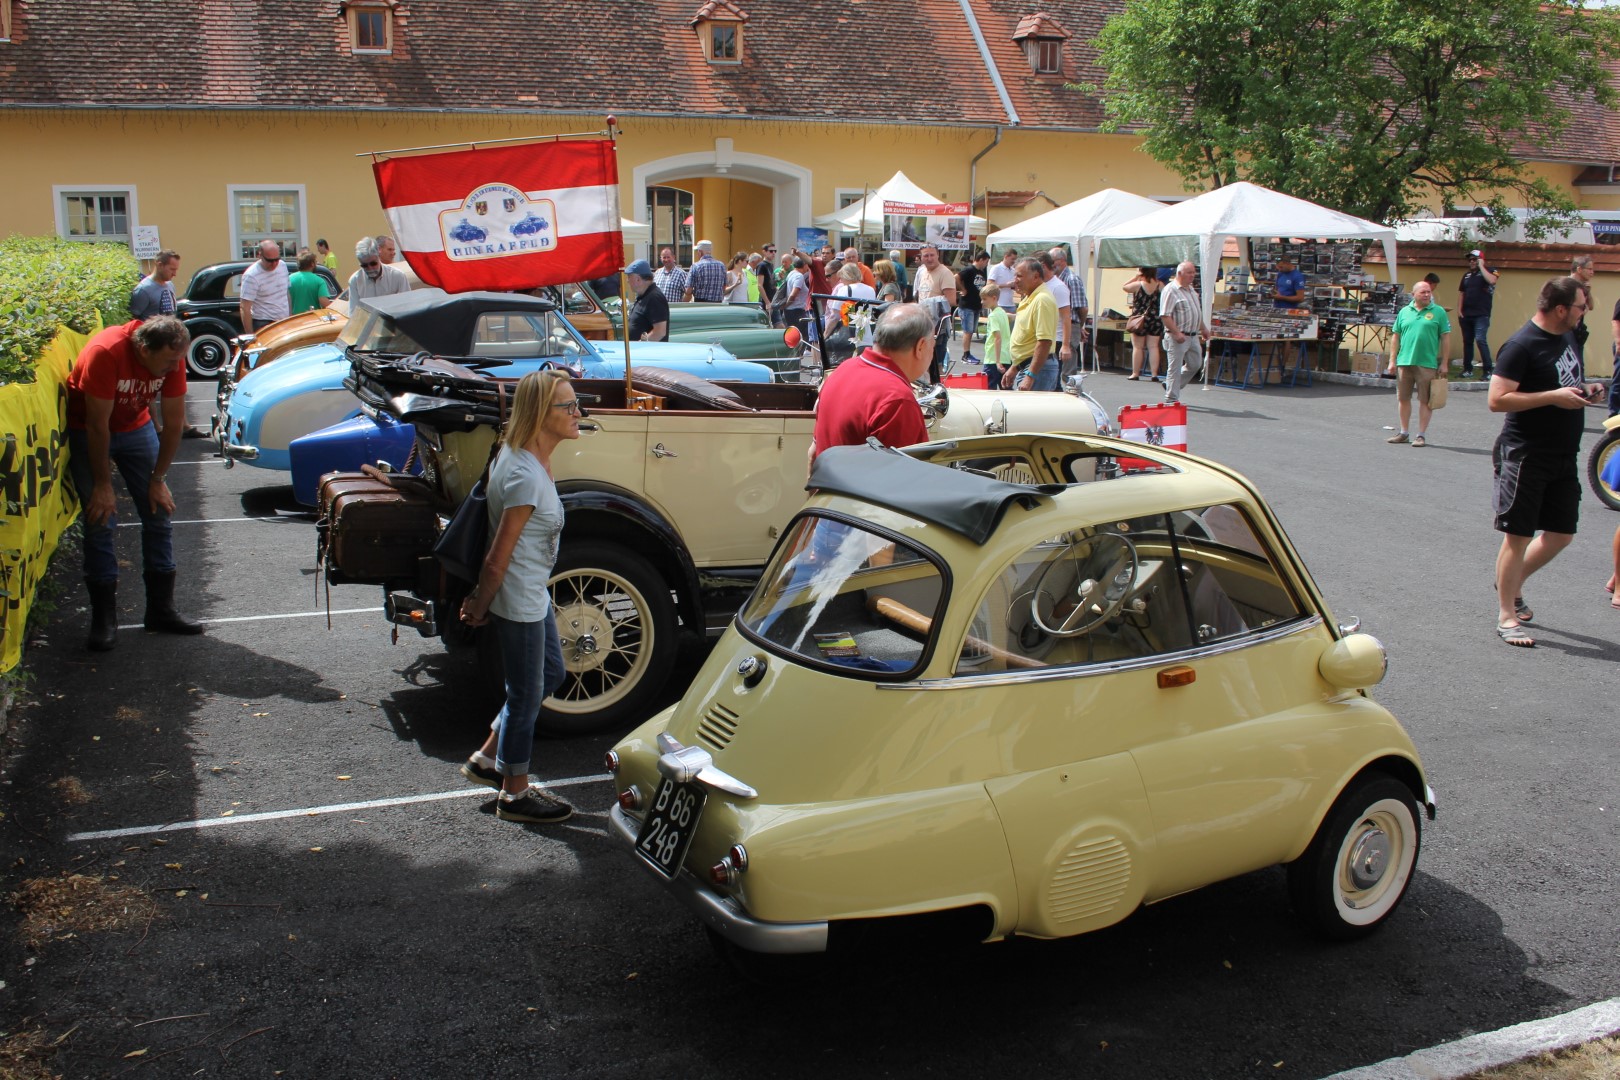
pixel 490 142
pixel 624 279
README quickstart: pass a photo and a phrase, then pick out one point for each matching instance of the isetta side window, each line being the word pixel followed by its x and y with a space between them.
pixel 1129 590
pixel 845 597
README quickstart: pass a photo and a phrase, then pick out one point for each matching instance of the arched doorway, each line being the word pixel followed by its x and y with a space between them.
pixel 768 198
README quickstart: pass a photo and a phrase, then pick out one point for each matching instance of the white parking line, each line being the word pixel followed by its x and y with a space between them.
pixel 295 520
pixel 315 811
pixel 289 615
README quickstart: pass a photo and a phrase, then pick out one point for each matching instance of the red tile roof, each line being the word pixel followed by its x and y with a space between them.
pixel 1039 24
pixel 632 58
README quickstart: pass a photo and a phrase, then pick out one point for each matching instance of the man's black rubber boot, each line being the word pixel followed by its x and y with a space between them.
pixel 103 615
pixel 161 617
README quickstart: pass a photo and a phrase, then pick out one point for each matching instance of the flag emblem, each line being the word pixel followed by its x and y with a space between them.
pixel 524 227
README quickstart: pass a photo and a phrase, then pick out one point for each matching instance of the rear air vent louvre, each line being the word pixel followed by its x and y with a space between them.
pixel 1090 880
pixel 718 727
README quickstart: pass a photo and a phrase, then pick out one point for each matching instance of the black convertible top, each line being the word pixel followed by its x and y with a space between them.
pixel 963 502
pixel 444 322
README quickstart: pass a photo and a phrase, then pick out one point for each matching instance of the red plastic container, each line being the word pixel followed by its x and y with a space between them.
pixel 977 380
pixel 1164 424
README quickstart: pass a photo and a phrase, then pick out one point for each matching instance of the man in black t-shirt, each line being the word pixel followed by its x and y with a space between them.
pixel 1538 383
pixel 1474 296
pixel 649 315
pixel 969 280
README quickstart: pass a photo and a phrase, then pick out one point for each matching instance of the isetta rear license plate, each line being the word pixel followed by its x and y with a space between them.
pixel 671 822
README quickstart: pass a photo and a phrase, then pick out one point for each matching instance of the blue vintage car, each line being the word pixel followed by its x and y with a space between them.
pixel 502 334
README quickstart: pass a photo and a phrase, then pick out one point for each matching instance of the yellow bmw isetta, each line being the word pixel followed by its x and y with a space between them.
pixel 1029 682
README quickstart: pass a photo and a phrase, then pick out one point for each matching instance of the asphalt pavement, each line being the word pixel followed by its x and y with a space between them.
pixel 415 935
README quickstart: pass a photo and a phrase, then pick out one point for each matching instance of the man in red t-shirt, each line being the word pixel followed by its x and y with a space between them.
pixel 114 381
pixel 870 395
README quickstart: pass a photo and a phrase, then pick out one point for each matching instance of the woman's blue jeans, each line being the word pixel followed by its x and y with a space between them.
pixel 134 454
pixel 531 657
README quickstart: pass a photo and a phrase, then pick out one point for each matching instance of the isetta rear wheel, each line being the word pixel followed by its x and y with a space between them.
pixel 1357 869
pixel 616 618
pixel 1606 448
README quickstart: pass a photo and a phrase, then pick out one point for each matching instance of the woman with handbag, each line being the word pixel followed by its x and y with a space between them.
pixel 1144 325
pixel 525 522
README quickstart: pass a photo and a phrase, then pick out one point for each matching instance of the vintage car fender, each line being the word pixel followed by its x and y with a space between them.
pixel 283 338
pixel 596 510
pixel 275 405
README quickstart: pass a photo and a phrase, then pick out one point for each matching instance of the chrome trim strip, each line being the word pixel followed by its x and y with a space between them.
pixel 686 763
pixel 1429 803
pixel 1010 678
pixel 727 918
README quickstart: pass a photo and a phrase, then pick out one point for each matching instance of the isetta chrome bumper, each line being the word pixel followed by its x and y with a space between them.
pixel 722 913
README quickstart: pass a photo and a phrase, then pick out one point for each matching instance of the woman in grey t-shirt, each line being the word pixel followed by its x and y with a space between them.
pixel 525 522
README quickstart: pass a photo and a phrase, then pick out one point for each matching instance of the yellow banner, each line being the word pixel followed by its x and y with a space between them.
pixel 37 504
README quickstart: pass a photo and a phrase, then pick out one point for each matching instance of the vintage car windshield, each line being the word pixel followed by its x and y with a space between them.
pixel 380 334
pixel 512 335
pixel 842 596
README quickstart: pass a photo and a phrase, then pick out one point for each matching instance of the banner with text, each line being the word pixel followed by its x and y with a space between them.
pixel 506 218
pixel 36 504
pixel 911 225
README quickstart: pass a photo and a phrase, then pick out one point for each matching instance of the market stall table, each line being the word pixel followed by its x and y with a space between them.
pixel 1276 359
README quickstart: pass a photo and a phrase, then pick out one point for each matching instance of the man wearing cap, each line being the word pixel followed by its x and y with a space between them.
pixel 1290 285
pixel 706 281
pixel 649 315
pixel 1474 294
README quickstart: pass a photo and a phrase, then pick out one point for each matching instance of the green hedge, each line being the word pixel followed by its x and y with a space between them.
pixel 46 283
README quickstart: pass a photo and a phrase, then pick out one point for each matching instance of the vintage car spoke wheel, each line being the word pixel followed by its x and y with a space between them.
pixel 1606 448
pixel 207 354
pixel 617 623
pixel 1101 568
pixel 1358 867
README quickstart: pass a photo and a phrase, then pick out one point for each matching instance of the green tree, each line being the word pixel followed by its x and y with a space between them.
pixel 1375 107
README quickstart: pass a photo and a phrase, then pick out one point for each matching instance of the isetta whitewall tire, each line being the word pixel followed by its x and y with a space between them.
pixel 617 621
pixel 1358 867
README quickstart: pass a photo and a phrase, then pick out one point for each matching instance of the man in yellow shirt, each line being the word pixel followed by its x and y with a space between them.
pixel 1034 331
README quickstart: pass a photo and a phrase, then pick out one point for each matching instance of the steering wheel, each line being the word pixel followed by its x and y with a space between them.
pixel 1104 566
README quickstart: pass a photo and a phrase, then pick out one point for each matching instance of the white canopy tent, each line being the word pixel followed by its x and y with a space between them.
pixel 634 231
pixel 864 217
pixel 1078 224
pixel 1200 228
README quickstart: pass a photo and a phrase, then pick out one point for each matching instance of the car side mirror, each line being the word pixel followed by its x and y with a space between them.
pixel 1354 662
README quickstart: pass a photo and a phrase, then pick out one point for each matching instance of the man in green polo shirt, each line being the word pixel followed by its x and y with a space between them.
pixel 307 290
pixel 1421 347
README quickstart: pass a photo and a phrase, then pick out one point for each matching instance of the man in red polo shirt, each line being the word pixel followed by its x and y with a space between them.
pixel 121 371
pixel 870 395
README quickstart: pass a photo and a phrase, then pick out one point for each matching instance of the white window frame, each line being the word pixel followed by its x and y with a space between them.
pixel 354 11
pixel 60 192
pixel 1035 46
pixel 233 190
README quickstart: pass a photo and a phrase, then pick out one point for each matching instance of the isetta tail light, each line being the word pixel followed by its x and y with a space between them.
pixel 610 761
pixel 727 870
pixel 630 798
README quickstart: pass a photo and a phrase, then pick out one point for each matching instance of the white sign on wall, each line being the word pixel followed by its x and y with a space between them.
pixel 147 244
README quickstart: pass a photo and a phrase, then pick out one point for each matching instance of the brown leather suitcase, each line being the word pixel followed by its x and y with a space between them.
pixel 371 532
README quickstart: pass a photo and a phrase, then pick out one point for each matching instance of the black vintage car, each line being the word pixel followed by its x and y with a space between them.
pixel 211 308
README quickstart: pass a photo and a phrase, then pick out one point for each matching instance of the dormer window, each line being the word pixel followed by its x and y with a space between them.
pixel 719 25
pixel 371 26
pixel 1042 39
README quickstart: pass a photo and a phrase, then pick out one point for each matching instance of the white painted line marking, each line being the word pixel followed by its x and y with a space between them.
pixel 216 521
pixel 315 811
pixel 289 615
pixel 1493 1049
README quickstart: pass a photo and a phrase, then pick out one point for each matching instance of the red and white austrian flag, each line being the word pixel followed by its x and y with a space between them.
pixel 506 218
